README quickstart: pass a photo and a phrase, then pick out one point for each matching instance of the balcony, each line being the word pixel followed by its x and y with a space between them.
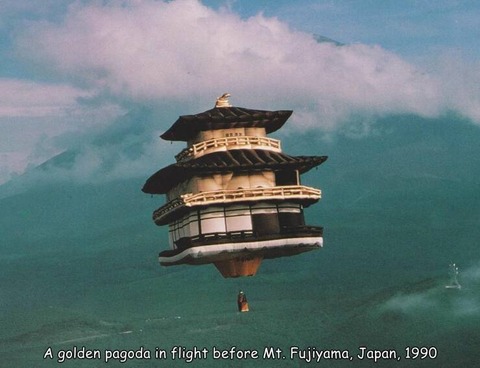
pixel 247 236
pixel 288 192
pixel 224 143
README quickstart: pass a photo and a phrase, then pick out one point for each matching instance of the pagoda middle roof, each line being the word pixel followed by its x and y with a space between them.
pixel 188 126
pixel 244 160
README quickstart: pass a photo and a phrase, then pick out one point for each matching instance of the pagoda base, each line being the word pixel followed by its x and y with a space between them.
pixel 238 267
pixel 236 259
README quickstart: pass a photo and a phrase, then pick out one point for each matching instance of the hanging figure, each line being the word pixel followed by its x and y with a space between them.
pixel 242 302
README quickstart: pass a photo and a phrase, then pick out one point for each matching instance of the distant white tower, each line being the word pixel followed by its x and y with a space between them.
pixel 454 284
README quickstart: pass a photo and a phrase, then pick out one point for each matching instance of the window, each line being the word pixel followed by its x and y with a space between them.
pixel 238 218
pixel 286 178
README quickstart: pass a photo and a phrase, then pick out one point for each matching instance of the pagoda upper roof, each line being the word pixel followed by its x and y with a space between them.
pixel 245 160
pixel 188 126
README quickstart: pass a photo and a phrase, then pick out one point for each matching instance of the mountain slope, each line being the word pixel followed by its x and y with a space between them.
pixel 79 257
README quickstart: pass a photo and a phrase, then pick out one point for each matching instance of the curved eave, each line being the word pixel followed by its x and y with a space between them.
pixel 219 162
pixel 188 126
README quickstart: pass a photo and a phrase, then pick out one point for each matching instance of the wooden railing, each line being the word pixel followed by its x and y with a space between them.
pixel 238 195
pixel 217 144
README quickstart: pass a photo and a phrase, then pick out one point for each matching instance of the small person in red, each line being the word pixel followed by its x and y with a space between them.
pixel 242 302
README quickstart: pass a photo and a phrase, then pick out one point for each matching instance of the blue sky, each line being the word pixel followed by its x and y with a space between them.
pixel 71 67
pixel 410 28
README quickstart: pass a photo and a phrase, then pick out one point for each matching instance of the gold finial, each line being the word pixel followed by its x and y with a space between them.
pixel 222 101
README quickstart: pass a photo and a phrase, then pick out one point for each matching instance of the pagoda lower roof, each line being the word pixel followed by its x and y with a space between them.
pixel 241 161
pixel 188 126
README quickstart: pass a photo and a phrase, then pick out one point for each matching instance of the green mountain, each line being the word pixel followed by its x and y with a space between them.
pixel 79 268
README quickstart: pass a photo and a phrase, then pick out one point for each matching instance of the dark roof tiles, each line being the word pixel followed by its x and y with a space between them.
pixel 187 126
pixel 226 161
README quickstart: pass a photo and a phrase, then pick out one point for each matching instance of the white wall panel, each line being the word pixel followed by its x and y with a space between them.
pixel 213 225
pixel 239 223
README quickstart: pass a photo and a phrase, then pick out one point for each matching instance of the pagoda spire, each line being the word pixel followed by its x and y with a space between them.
pixel 222 101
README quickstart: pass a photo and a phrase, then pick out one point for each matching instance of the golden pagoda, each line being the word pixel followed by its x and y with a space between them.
pixel 233 198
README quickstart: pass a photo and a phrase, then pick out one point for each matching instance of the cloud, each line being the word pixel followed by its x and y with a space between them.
pixel 32 114
pixel 100 56
pixel 411 303
pixel 438 302
pixel 461 85
pixel 125 148
pixel 184 51
pixel 20 98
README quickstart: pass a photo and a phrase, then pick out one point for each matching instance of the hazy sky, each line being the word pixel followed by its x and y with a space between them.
pixel 72 66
